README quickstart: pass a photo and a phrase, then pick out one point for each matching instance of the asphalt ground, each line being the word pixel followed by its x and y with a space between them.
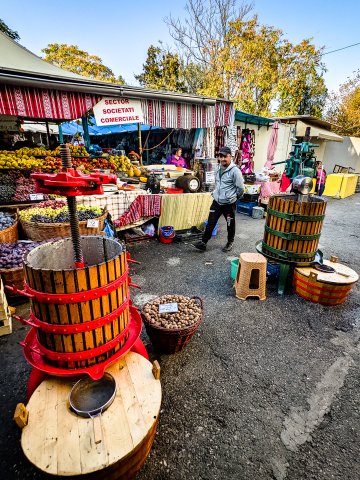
pixel 264 390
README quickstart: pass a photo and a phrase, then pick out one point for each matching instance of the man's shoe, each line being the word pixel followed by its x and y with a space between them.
pixel 228 247
pixel 200 246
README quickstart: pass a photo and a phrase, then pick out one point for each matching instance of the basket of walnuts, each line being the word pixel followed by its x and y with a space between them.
pixel 170 332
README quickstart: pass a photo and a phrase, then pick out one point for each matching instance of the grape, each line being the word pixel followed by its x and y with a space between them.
pixel 6 220
pixel 12 254
pixel 50 212
pixel 40 218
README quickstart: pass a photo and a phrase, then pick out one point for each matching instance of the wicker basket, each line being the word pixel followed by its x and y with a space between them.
pixel 13 276
pixel 44 231
pixel 171 341
pixel 11 234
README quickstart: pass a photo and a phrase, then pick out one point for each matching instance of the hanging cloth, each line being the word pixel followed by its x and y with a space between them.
pixel 247 151
pixel 272 146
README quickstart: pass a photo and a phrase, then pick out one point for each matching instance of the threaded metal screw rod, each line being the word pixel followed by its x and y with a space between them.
pixel 71 203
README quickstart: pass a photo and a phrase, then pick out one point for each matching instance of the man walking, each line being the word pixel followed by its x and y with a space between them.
pixel 229 186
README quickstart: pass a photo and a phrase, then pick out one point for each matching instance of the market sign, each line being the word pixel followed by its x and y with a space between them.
pixel 117 111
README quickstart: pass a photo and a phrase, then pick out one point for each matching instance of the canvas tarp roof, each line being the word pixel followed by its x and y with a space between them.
pixel 33 89
pixel 16 57
pixel 70 128
pixel 316 132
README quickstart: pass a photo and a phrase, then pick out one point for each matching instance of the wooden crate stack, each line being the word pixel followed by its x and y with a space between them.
pixel 5 315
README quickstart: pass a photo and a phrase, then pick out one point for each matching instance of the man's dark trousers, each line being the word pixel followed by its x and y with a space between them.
pixel 216 210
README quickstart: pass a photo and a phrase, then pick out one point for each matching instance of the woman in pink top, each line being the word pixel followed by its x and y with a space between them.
pixel 320 178
pixel 176 158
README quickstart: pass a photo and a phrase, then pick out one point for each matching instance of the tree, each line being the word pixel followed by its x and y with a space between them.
pixel 247 62
pixel 162 71
pixel 301 88
pixel 71 58
pixel 201 38
pixel 7 30
pixel 344 107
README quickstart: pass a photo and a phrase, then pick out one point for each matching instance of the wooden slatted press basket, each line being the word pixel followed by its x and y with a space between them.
pixel 80 314
pixel 293 227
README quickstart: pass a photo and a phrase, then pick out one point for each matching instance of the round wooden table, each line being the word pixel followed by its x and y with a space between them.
pixel 59 442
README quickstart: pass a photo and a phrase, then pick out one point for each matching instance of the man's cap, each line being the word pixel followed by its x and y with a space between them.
pixel 224 151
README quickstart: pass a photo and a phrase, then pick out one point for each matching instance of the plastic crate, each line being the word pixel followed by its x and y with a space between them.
pixel 272 271
pixel 257 212
pixel 214 232
pixel 250 198
pixel 245 207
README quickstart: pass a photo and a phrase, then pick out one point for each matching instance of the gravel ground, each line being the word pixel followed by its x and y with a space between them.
pixel 264 390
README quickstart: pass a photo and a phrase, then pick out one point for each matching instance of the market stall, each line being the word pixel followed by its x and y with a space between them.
pixel 33 90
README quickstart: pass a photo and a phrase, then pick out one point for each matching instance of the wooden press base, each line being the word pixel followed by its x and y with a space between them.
pixel 58 442
pixel 324 288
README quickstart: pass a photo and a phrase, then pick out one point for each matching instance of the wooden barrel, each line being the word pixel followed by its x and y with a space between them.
pixel 293 227
pixel 324 288
pixel 76 311
pixel 64 444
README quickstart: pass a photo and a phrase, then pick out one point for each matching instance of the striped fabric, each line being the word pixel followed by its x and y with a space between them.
pixel 143 206
pixel 181 115
pixel 44 103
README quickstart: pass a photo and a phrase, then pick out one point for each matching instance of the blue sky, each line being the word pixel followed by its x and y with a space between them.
pixel 120 31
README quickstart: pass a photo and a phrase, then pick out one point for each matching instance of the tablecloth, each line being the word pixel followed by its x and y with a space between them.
pixel 116 204
pixel 144 206
pixel 183 211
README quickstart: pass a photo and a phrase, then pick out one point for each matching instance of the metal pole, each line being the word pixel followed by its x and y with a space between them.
pixel 140 144
pixel 61 135
pixel 47 134
pixel 86 132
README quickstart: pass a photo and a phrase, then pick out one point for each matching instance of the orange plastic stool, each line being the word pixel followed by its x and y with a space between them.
pixel 251 276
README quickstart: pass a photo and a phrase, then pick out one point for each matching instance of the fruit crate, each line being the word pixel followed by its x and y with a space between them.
pixel 245 207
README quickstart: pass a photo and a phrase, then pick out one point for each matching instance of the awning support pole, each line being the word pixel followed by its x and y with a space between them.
pixel 61 135
pixel 86 132
pixel 47 134
pixel 140 144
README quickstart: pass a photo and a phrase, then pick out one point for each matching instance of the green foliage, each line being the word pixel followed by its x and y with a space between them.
pixel 162 71
pixel 301 87
pixel 252 64
pixel 7 30
pixel 344 107
pixel 71 58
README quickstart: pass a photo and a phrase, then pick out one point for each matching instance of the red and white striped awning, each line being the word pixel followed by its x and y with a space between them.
pixel 41 103
pixel 167 114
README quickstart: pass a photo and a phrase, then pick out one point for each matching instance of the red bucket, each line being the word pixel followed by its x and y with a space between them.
pixel 167 234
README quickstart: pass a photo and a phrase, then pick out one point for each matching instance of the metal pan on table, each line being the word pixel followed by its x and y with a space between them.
pixel 90 398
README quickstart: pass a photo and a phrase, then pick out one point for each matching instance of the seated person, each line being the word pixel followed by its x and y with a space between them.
pixel 176 159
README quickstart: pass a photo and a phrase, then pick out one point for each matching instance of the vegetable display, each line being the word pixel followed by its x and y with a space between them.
pixel 189 312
